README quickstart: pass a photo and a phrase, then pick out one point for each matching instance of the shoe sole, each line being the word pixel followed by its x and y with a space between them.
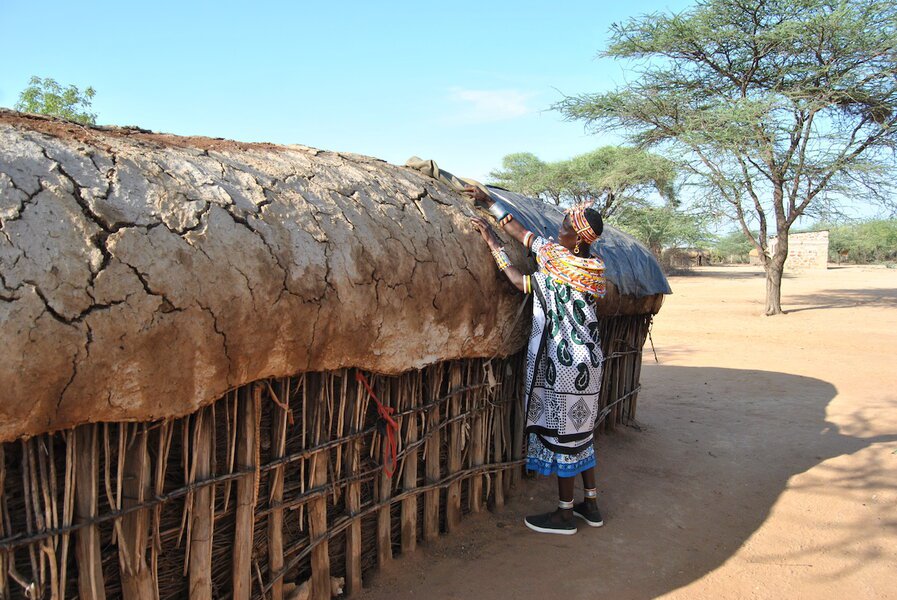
pixel 546 530
pixel 590 523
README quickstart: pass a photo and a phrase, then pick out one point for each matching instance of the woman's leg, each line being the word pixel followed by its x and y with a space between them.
pixel 588 508
pixel 565 496
pixel 591 488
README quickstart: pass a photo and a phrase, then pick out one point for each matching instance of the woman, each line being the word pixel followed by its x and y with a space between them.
pixel 564 357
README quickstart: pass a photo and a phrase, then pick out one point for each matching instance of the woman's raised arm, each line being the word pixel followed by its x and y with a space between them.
pixel 512 272
pixel 505 221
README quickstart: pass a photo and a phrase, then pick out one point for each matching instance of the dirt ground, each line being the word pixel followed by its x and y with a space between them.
pixel 765 465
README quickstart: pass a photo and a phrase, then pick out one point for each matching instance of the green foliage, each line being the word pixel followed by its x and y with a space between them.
pixel 863 243
pixel 525 173
pixel 660 227
pixel 611 176
pixel 734 247
pixel 47 97
pixel 777 108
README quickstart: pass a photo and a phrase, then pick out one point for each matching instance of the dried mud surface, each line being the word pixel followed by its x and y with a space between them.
pixel 764 466
pixel 142 275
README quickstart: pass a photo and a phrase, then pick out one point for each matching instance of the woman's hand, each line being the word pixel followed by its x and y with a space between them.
pixel 511 272
pixel 477 195
pixel 485 230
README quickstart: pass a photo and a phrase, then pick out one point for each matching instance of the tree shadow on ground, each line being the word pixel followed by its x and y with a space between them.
pixel 872 297
pixel 681 494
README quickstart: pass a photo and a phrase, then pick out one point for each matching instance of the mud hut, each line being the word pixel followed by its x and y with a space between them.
pixel 685 258
pixel 233 369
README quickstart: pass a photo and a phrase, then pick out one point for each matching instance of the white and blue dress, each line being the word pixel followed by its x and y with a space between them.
pixel 563 377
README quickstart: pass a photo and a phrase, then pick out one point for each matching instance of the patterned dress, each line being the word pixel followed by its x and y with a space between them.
pixel 563 378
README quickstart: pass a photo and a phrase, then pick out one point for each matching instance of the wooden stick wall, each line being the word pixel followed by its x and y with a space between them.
pixel 279 483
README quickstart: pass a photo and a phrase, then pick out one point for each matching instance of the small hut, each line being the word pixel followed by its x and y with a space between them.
pixel 233 369
pixel 685 258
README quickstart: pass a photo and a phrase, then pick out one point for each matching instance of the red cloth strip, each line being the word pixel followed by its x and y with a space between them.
pixel 390 451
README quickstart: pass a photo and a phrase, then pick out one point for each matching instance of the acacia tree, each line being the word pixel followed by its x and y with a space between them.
pixel 775 107
pixel 47 97
pixel 525 173
pixel 660 227
pixel 611 177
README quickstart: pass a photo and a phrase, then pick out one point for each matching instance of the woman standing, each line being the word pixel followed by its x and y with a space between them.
pixel 564 358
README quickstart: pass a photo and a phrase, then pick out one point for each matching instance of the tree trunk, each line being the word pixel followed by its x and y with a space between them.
pixel 773 289
pixel 775 266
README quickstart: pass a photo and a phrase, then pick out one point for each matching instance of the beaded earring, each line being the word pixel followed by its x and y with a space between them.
pixel 576 248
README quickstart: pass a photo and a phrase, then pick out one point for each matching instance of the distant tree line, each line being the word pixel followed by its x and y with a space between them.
pixel 866 242
pixel 863 243
pixel 633 190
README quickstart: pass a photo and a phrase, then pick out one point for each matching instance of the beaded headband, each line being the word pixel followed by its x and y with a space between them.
pixel 580 223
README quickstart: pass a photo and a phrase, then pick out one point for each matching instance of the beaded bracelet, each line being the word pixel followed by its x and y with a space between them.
pixel 527 284
pixel 501 258
pixel 505 220
pixel 528 240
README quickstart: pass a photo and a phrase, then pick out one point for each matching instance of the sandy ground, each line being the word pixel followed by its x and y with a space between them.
pixel 765 465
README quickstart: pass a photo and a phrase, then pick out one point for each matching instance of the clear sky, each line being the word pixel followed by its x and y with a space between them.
pixel 463 83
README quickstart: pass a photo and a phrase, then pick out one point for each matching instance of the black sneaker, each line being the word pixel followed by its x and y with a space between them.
pixel 551 522
pixel 592 516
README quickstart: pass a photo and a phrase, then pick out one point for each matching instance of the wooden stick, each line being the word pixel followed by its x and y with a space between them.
pixel 498 490
pixel 353 499
pixel 477 443
pixel 136 576
pixel 511 391
pixel 47 461
pixel 519 425
pixel 202 522
pixel 317 508
pixel 431 457
pixel 68 508
pixel 387 396
pixel 275 518
pixel 33 513
pixel 47 486
pixel 246 459
pixel 163 447
pixel 87 549
pixel 6 558
pixel 409 466
pixel 644 324
pixel 230 408
pixel 453 496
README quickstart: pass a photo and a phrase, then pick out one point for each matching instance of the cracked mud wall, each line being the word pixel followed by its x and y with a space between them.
pixel 142 275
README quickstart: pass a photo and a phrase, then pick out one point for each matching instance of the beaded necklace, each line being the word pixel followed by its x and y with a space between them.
pixel 583 274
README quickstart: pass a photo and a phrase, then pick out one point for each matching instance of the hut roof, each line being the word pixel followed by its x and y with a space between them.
pixel 143 275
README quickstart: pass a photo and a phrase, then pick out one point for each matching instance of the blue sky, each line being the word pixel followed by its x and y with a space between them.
pixel 463 83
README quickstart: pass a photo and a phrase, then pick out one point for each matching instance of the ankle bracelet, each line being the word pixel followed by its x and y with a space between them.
pixel 591 493
pixel 564 505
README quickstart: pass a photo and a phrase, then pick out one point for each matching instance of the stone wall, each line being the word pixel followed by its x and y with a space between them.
pixel 805 250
